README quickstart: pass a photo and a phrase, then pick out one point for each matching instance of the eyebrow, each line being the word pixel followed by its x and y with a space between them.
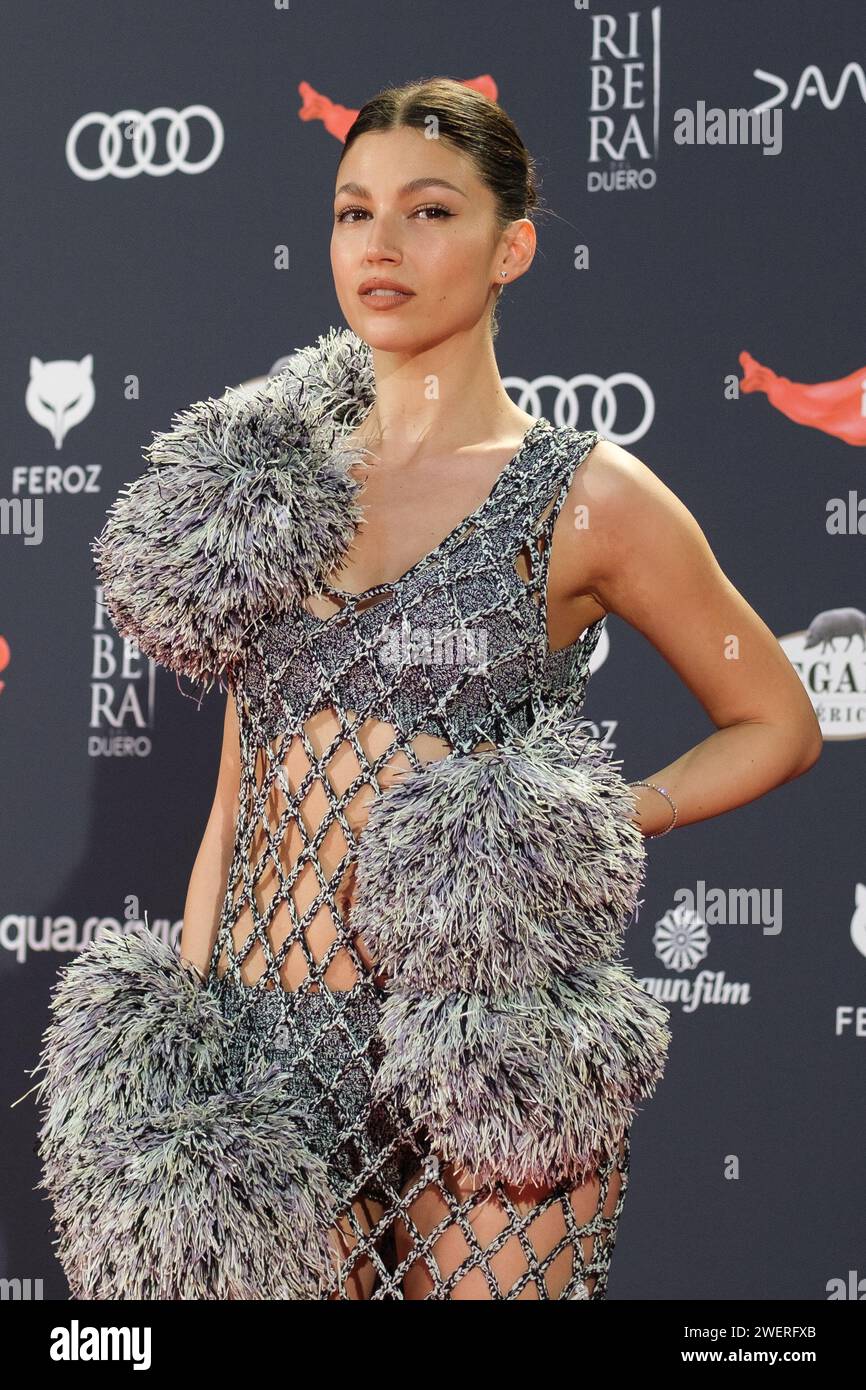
pixel 413 186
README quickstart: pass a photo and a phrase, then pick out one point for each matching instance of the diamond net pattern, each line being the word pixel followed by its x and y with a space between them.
pixel 331 708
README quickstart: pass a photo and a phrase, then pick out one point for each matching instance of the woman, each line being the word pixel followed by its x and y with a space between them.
pixel 418 867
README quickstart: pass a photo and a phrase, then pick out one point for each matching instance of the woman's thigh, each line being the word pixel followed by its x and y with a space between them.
pixel 460 1241
pixel 358 1272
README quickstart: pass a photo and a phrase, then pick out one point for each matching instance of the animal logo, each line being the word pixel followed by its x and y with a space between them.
pixel 836 622
pixel 60 394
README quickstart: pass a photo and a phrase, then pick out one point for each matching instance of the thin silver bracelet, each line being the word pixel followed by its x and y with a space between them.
pixel 658 833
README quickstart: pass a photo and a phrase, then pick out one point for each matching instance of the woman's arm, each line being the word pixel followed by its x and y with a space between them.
pixel 646 559
pixel 207 882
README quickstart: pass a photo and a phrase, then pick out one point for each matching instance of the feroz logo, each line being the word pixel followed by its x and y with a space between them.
pixel 60 394
pixel 858 921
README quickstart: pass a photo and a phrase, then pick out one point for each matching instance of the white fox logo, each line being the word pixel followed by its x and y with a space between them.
pixel 60 394
pixel 858 921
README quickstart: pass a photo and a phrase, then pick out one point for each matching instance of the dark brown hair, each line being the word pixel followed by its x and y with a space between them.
pixel 472 123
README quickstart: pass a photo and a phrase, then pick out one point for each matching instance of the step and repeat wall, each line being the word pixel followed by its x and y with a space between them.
pixel 697 296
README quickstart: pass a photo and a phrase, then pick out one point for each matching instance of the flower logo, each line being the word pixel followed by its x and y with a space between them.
pixel 681 939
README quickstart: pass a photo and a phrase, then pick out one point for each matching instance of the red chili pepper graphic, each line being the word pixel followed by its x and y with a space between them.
pixel 836 407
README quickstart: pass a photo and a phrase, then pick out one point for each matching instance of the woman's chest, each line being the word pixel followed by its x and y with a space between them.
pixel 449 649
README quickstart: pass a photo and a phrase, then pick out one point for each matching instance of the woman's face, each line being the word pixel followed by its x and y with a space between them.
pixel 439 242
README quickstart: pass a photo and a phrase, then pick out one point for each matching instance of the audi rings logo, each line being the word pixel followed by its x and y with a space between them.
pixel 615 395
pixel 136 131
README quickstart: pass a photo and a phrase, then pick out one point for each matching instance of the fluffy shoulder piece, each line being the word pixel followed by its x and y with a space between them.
pixel 247 504
pixel 494 889
pixel 174 1171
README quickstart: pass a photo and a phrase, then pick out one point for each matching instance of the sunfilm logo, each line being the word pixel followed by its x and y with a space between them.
pixel 122 692
pixel 625 102
pixel 682 942
pixel 830 659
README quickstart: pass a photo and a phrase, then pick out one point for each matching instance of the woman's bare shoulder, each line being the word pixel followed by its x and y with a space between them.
pixel 619 495
pixel 615 476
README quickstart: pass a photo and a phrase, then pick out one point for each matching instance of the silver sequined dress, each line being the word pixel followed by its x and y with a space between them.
pixel 452 656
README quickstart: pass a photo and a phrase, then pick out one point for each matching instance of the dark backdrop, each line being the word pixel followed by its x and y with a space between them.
pixel 747 1166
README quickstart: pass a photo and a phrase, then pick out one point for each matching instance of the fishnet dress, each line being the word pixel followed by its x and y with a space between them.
pixel 333 698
